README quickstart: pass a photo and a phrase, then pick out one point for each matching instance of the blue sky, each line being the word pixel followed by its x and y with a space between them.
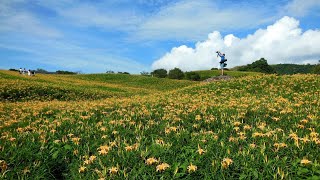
pixel 124 35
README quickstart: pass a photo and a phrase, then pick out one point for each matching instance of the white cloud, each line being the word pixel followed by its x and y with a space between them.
pixel 187 20
pixel 106 15
pixel 191 20
pixel 13 20
pixel 302 7
pixel 168 20
pixel 89 15
pixel 282 42
pixel 26 23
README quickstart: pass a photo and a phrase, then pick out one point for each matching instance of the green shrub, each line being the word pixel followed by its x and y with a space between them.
pixel 176 73
pixel 192 76
pixel 160 73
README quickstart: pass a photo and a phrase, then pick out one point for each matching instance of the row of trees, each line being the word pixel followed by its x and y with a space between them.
pixel 262 65
pixel 295 68
pixel 175 73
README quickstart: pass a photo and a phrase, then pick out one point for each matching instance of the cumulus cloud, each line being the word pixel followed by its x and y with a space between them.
pixel 282 42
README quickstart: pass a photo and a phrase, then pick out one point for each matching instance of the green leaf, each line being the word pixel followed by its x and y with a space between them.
pixel 55 154
pixel 255 174
pixel 314 178
pixel 184 166
pixel 178 175
pixel 302 171
pixel 67 147
pixel 243 176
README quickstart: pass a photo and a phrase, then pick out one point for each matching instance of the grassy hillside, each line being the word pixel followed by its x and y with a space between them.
pixel 210 73
pixel 16 87
pixel 137 81
pixel 42 87
pixel 254 127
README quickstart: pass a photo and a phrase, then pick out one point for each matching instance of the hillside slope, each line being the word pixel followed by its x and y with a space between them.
pixel 245 128
pixel 42 87
pixel 16 87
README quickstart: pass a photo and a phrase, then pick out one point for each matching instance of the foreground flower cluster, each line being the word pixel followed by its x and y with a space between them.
pixel 253 127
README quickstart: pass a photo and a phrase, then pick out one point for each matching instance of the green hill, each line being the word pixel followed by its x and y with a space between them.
pixel 42 87
pixel 16 87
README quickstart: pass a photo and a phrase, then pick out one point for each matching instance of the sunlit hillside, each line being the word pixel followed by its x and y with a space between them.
pixel 16 87
pixel 252 127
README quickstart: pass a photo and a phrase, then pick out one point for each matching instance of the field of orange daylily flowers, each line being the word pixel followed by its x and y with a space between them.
pixel 254 127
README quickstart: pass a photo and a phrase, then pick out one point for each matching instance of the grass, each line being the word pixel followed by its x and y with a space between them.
pixel 253 127
pixel 210 73
pixel 138 81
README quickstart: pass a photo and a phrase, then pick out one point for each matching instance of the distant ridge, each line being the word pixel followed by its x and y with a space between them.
pixel 293 68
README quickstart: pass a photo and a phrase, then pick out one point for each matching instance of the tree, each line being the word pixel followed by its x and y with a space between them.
pixel 123 72
pixel 42 71
pixel 64 72
pixel 260 65
pixel 110 72
pixel 11 69
pixel 192 76
pixel 316 69
pixel 160 73
pixel 176 73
